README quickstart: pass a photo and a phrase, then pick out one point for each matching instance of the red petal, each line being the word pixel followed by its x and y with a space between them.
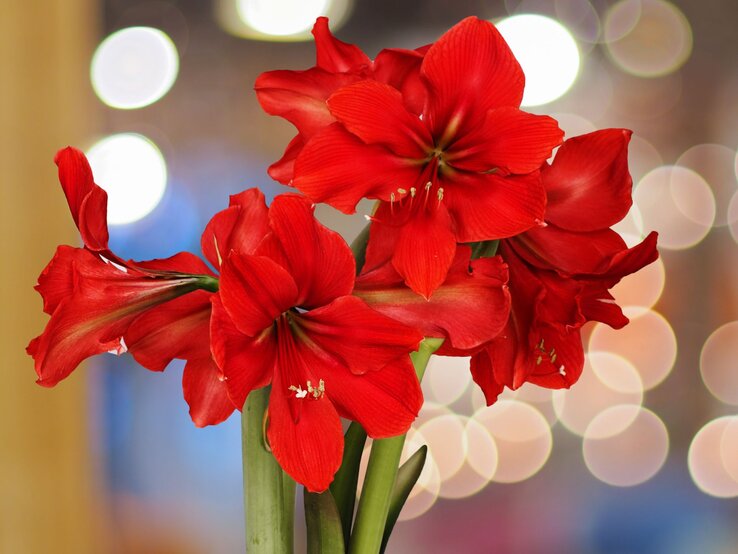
pixel 318 259
pixel 382 238
pixel 205 393
pixel 87 202
pixel 337 168
pixel 247 363
pixel 470 308
pixel 470 70
pixel 567 368
pixel 509 139
pixel 334 55
pixel 385 402
pixel 254 291
pixel 283 170
pixel 488 207
pixel 484 376
pixel 357 337
pixel 239 228
pixel 56 281
pixel 177 329
pixel 588 184
pixel 425 249
pixel 400 69
pixel 299 96
pixel 376 114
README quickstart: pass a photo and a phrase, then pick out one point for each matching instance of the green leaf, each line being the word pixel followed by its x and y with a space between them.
pixel 344 484
pixel 407 476
pixel 324 531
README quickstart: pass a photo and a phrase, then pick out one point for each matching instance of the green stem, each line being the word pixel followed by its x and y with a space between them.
pixel 269 494
pixel 381 473
pixel 344 483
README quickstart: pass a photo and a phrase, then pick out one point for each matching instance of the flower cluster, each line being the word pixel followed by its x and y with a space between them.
pixel 476 238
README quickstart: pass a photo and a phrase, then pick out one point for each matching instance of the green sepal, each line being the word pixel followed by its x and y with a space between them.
pixel 407 476
pixel 324 531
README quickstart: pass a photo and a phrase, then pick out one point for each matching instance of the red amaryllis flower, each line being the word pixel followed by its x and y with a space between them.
pixel 300 96
pixel 560 273
pixel 181 328
pixel 464 170
pixel 92 295
pixel 285 316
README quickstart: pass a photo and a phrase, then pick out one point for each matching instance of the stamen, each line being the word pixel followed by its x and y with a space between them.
pixel 539 360
pixel 316 392
pixel 413 190
pixel 402 191
pixel 440 194
pixel 299 391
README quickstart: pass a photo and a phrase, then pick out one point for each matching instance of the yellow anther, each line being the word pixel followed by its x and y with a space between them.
pixel 428 186
pixel 440 194
pixel 402 191
pixel 539 360
pixel 413 190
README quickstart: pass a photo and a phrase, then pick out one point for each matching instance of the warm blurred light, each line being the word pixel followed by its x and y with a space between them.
pixel 641 290
pixel 729 448
pixel 718 364
pixel 677 203
pixel 134 67
pixel 648 342
pixel 625 445
pixel 446 379
pixel 444 436
pixel 706 462
pixel 642 157
pixel 133 172
pixel 573 124
pixel 733 216
pixel 479 465
pixel 647 38
pixel 541 398
pixel 522 436
pixel 279 20
pixel 425 492
pixel 580 16
pixel 547 53
pixel 715 164
pixel 607 380
pixel 630 228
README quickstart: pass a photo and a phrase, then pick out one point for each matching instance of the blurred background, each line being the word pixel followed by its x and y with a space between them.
pixel 640 457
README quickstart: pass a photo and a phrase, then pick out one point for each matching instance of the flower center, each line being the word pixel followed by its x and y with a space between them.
pixel 543 354
pixel 314 392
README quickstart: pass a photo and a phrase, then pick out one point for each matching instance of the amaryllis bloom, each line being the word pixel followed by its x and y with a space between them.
pixel 285 316
pixel 560 273
pixel 463 170
pixel 300 96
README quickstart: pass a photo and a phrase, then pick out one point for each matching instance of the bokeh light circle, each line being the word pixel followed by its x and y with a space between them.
pixel 647 38
pixel 733 216
pixel 547 53
pixel 479 464
pixel 446 379
pixel 444 436
pixel 134 67
pixel 648 342
pixel 718 365
pixel 607 380
pixel 625 445
pixel 280 17
pixel 678 203
pixel 132 170
pixel 523 439
pixel 729 448
pixel 705 460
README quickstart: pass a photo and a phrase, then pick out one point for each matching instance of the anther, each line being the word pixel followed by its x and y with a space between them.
pixel 440 194
pixel 413 190
pixel 428 186
pixel 402 191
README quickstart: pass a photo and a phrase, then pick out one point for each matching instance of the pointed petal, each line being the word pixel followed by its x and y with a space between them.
pixel 509 140
pixel 318 259
pixel 205 393
pixel 299 96
pixel 337 168
pixel 177 329
pixel 87 202
pixel 375 113
pixel 488 207
pixel 385 401
pixel 484 376
pixel 246 363
pixel 425 249
pixel 470 308
pixel 254 291
pixel 239 228
pixel 309 449
pixel 383 237
pixel 400 69
pixel 588 184
pixel 359 338
pixel 470 70
pixel 335 55
pixel 283 170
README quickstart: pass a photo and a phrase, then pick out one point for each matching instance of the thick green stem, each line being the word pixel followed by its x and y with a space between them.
pixel 269 494
pixel 381 473
pixel 344 483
